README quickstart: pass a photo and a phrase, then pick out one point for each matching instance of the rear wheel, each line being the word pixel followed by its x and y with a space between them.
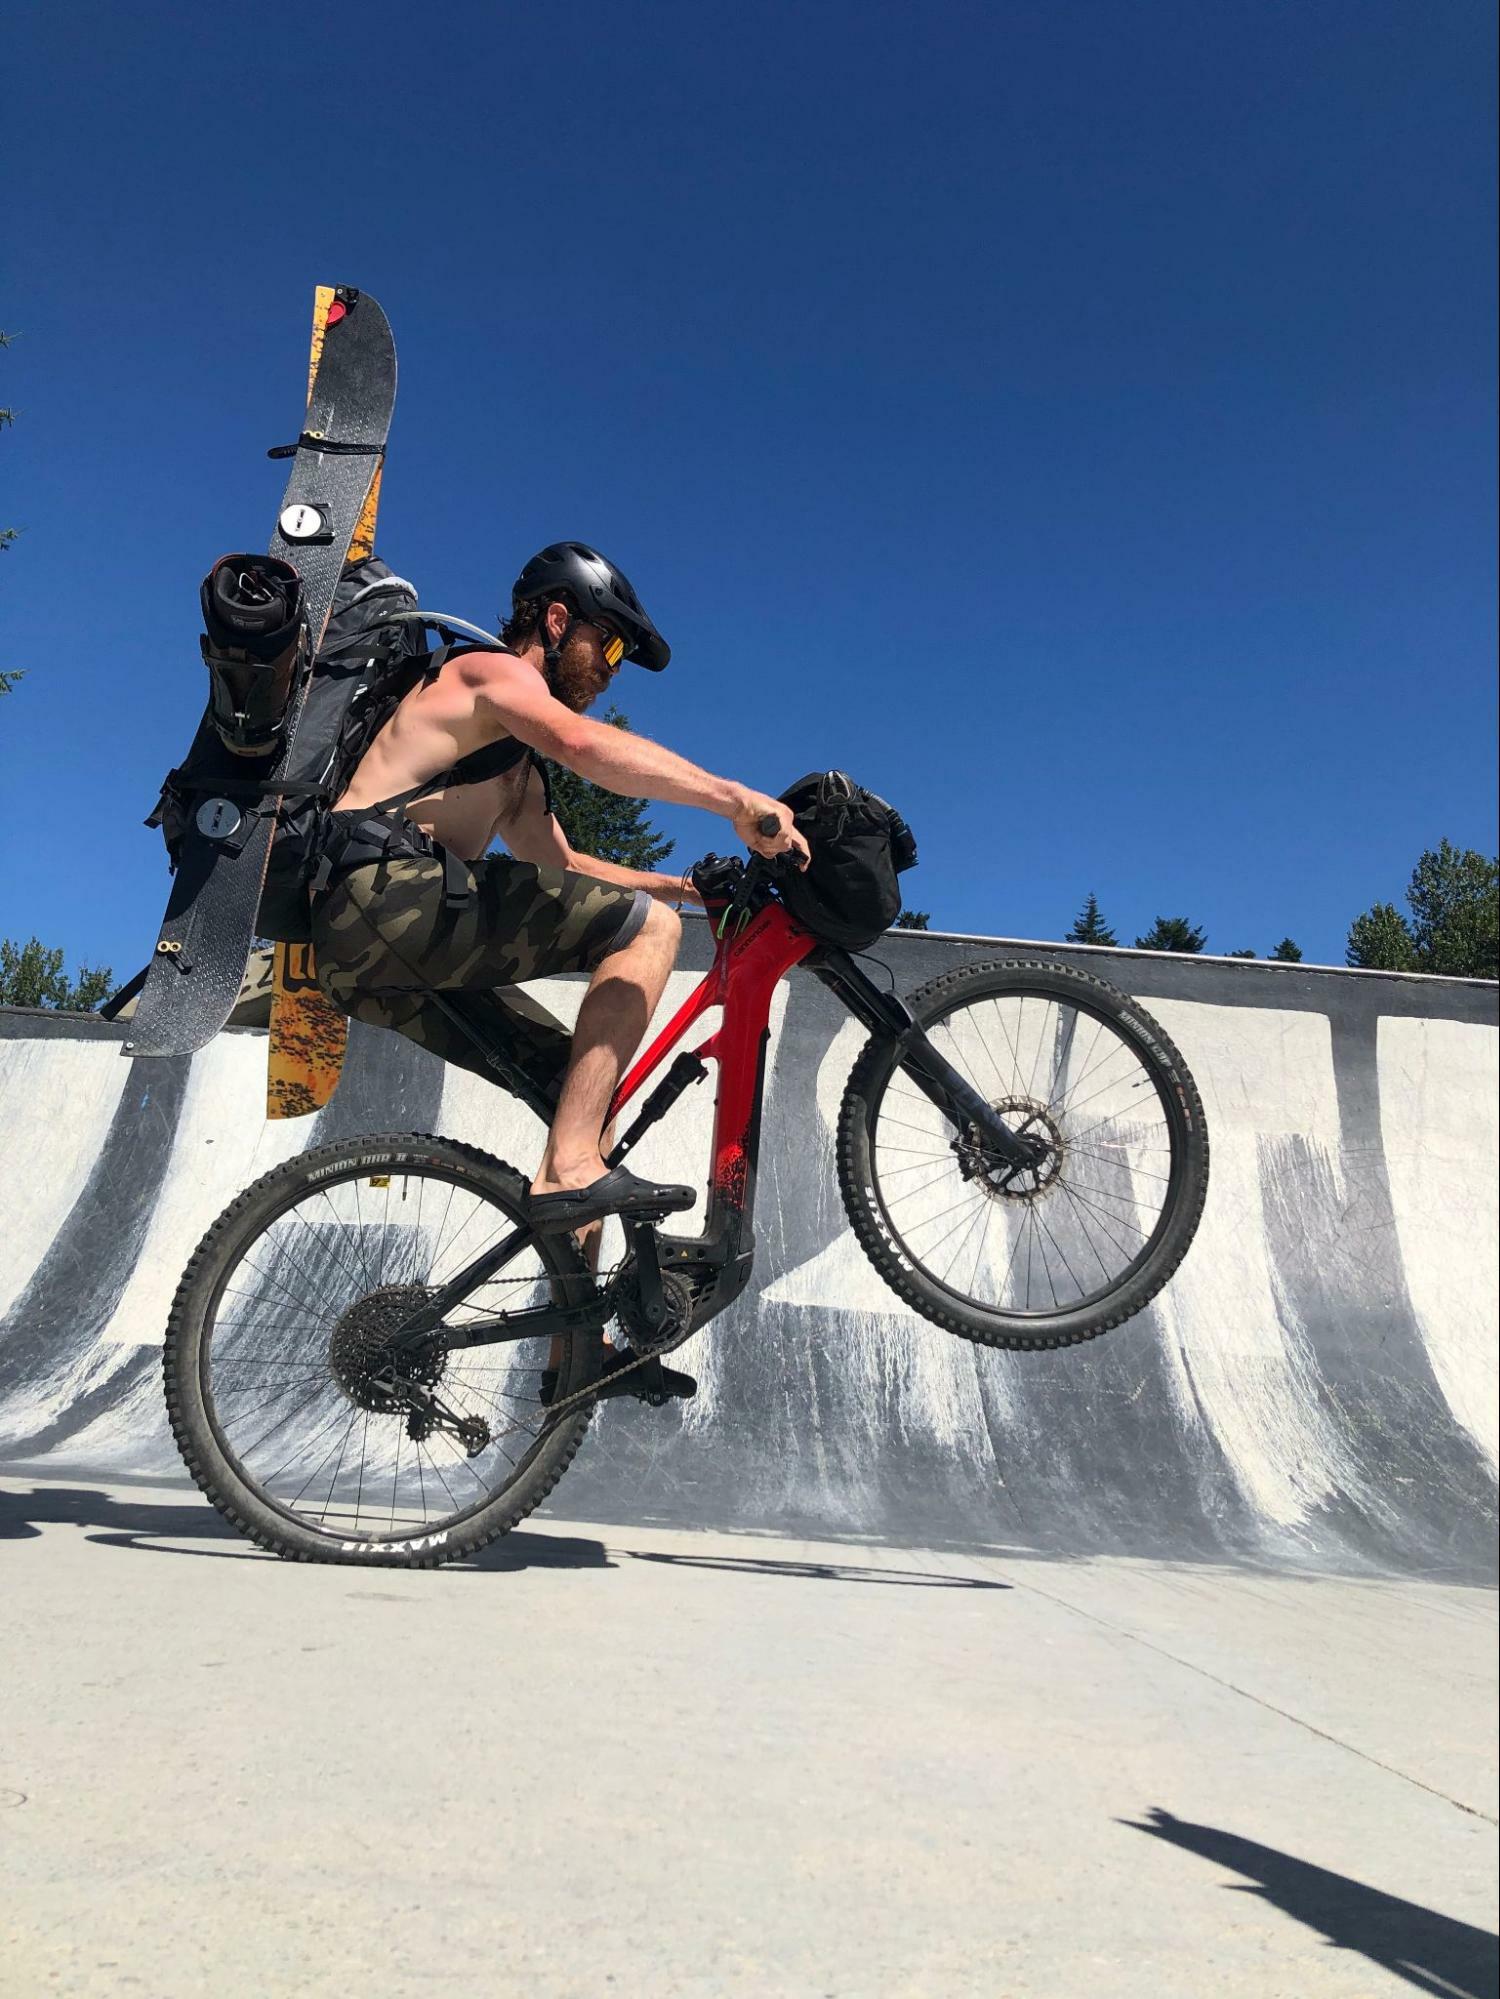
pixel 280 1382
pixel 1059 1252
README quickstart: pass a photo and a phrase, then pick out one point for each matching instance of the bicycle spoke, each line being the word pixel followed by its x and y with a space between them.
pixel 297 1328
pixel 1071 1231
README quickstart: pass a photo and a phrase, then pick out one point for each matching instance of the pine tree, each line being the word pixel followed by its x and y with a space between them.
pixel 1239 954
pixel 31 975
pixel 912 919
pixel 1171 933
pixel 1089 927
pixel 1381 941
pixel 603 823
pixel 1287 952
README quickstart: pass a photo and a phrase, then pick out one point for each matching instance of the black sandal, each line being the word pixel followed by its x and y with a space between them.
pixel 618 1192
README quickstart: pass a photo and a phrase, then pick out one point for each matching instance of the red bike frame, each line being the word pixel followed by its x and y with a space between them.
pixel 742 979
pixel 748 965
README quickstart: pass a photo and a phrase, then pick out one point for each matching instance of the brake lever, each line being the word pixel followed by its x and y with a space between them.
pixel 757 868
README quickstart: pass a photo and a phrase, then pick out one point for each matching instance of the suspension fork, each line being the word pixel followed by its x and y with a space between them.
pixel 887 1013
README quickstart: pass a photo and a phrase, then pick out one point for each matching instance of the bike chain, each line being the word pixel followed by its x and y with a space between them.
pixel 582 1396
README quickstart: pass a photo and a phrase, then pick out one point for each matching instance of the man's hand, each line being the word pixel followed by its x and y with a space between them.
pixel 752 808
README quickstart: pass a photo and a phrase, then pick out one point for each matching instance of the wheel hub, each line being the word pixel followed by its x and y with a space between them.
pixel 360 1350
pixel 1026 1119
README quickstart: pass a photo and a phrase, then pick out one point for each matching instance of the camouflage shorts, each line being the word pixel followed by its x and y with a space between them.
pixel 385 938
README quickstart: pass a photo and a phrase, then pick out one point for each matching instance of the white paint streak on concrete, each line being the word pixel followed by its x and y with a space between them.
pixel 840 1276
pixel 56 1102
pixel 1439 1082
pixel 900 1365
pixel 222 1144
pixel 1238 1357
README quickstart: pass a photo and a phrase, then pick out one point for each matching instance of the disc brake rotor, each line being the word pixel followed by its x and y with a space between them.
pixel 998 1178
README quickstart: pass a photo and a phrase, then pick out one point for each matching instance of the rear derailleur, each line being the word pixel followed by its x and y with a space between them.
pixel 379 1377
pixel 429 1412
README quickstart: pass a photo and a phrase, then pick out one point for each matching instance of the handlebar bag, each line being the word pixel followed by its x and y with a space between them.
pixel 848 893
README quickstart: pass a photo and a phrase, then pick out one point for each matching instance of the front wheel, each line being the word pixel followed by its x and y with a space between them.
pixel 1064 1250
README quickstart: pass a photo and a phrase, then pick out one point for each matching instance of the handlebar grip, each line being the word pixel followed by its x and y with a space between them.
pixel 768 824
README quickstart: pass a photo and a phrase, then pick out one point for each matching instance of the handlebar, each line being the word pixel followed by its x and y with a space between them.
pixel 768 824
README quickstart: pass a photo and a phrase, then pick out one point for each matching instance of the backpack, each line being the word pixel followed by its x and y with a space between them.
pixel 371 657
pixel 848 892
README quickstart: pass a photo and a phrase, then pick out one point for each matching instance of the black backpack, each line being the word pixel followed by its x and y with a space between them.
pixel 848 893
pixel 371 658
pixel 373 654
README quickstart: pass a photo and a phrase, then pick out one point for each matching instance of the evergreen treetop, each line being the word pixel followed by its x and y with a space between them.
pixel 603 823
pixel 1089 927
pixel 1172 933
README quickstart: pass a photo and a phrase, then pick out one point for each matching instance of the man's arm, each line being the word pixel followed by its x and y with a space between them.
pixel 533 834
pixel 514 697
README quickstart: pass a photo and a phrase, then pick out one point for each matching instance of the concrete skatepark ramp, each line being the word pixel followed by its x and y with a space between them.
pixel 1315 1390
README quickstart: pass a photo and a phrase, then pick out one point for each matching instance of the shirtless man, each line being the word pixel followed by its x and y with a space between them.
pixel 412 902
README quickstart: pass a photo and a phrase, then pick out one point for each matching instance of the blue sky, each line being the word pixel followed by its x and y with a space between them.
pixel 1076 420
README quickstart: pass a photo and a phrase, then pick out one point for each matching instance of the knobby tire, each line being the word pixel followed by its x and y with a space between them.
pixel 869 1210
pixel 188 1355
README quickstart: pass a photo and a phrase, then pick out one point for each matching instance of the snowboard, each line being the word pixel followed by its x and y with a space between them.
pixel 305 1050
pixel 194 976
pixel 308 1035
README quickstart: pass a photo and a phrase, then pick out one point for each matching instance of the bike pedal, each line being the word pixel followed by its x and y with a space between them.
pixel 654 1385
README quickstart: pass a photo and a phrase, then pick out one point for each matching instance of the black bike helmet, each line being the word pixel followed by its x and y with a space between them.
pixel 598 589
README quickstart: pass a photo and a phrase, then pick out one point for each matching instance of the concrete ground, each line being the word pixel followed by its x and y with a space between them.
pixel 646 1762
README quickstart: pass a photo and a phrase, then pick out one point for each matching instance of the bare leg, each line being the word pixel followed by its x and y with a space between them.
pixel 612 1021
pixel 622 996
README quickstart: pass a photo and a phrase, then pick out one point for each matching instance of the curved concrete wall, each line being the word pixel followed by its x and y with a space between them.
pixel 1316 1388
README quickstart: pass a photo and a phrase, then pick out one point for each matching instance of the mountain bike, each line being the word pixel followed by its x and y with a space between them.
pixel 355 1353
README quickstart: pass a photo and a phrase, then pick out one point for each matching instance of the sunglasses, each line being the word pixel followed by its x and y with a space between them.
pixel 611 644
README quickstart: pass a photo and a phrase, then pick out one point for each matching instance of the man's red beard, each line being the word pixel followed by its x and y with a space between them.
pixel 578 679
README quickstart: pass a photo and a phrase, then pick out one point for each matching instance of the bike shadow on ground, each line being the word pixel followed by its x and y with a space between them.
pixel 158 1526
pixel 153 1525
pixel 831 1572
pixel 1435 1953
